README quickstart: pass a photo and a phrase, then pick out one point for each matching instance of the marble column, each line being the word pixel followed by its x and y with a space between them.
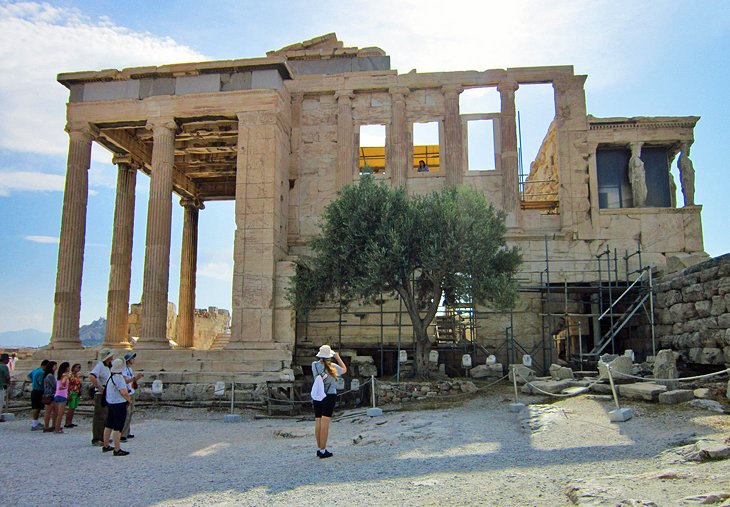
pixel 157 246
pixel 120 272
pixel 398 165
pixel 453 143
pixel 188 267
pixel 345 136
pixel 509 158
pixel 67 301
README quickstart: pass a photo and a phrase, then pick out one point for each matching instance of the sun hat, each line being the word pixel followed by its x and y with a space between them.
pixel 325 352
pixel 129 355
pixel 105 354
pixel 117 365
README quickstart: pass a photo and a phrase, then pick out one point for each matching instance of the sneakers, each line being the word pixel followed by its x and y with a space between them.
pixel 97 443
pixel 70 425
pixel 36 428
pixel 130 436
pixel 325 454
pixel 107 448
pixel 59 431
pixel 121 452
pixel 123 439
pixel 47 430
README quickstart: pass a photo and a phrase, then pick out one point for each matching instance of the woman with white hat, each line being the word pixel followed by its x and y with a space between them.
pixel 324 408
pixel 117 398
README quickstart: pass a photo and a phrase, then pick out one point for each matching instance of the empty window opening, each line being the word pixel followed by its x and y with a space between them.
pixel 372 149
pixel 426 150
pixel 614 188
pixel 479 100
pixel 480 145
pixel 656 172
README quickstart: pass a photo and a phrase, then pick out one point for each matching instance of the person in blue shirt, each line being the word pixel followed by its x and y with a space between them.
pixel 36 394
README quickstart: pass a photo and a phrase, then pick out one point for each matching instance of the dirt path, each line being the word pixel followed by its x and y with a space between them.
pixel 477 454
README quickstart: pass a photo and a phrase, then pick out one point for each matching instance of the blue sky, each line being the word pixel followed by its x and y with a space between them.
pixel 649 58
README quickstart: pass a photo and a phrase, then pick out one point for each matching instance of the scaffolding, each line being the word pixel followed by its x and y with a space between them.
pixel 614 291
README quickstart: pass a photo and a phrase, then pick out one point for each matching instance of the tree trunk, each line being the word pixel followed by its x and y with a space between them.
pixel 423 348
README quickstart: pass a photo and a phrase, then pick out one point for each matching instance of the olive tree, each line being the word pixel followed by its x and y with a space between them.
pixel 446 245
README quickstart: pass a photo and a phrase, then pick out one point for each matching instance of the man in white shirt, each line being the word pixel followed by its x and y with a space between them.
pixel 99 377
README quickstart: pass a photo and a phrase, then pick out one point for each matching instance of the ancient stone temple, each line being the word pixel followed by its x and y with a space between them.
pixel 280 135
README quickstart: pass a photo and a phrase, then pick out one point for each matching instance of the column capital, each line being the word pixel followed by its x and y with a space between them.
pixel 635 148
pixel 161 123
pixel 297 97
pixel 399 91
pixel 81 130
pixel 451 90
pixel 344 95
pixel 122 158
pixel 508 86
pixel 192 203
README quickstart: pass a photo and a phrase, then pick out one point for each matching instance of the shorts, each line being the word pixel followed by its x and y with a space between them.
pixel 59 399
pixel 73 400
pixel 116 416
pixel 326 407
pixel 36 397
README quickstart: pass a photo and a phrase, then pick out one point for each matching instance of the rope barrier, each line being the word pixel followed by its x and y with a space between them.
pixel 533 386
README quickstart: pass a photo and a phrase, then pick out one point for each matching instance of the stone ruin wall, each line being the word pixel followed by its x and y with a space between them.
pixel 692 311
pixel 208 324
pixel 544 170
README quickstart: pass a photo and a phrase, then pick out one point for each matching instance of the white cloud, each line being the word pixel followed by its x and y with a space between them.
pixel 42 239
pixel 39 41
pixel 30 181
pixel 217 270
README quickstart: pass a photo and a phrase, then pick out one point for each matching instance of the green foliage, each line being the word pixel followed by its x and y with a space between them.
pixel 375 239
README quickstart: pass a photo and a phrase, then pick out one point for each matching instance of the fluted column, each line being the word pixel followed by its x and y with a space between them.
pixel 120 272
pixel 398 145
pixel 67 299
pixel 188 267
pixel 157 246
pixel 508 130
pixel 345 135
pixel 453 135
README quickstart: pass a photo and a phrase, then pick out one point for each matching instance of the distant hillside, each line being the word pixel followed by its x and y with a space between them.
pixel 90 334
pixel 93 334
pixel 24 338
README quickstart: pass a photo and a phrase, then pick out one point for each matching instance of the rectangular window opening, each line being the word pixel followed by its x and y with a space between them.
pixel 426 148
pixel 614 188
pixel 372 149
pixel 480 145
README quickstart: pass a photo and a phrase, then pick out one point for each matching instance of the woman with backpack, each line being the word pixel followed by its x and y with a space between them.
pixel 117 397
pixel 327 371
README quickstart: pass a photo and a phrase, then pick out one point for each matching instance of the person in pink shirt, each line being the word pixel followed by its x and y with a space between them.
pixel 61 397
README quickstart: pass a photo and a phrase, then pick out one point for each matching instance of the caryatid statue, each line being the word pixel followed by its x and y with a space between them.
pixel 637 176
pixel 686 174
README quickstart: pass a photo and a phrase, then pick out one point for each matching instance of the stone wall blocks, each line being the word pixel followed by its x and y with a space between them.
pixel 718 305
pixel 709 273
pixel 677 328
pixel 726 354
pixel 723 287
pixel 703 308
pixel 723 321
pixel 694 292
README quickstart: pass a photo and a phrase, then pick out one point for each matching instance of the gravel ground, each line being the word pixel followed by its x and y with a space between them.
pixel 475 454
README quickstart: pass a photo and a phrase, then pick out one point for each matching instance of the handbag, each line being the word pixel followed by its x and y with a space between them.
pixel 317 393
pixel 103 396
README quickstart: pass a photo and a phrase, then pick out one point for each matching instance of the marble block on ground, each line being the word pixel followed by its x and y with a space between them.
pixel 676 396
pixel 641 391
